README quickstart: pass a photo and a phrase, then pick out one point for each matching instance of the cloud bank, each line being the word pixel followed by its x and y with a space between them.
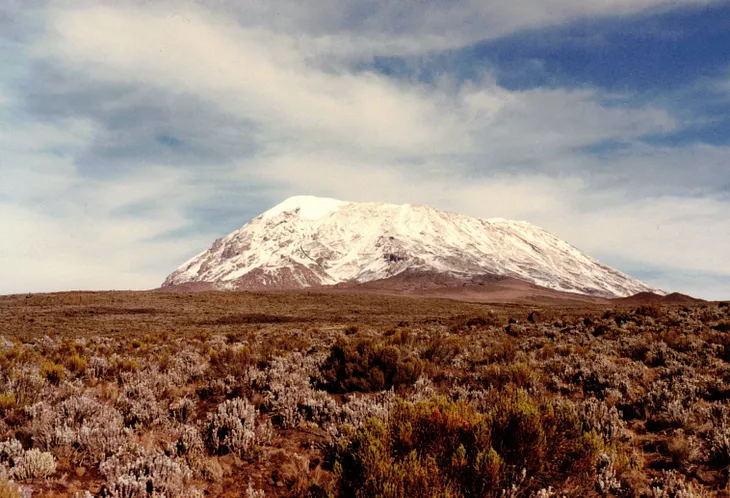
pixel 132 134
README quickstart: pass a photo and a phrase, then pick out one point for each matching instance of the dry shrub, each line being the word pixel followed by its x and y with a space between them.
pixel 144 394
pixel 189 445
pixel 187 366
pixel 231 360
pixel 361 364
pixel 673 485
pixel 76 364
pixel 52 372
pixel 649 310
pixel 601 419
pixel 233 428
pixel 289 394
pixel 447 448
pixel 183 409
pixel 80 425
pixel 26 384
pixel 503 351
pixel 516 374
pixel 718 437
pixel 8 489
pixel 683 450
pixel 130 475
pixel 722 326
pixel 400 337
pixel 34 464
pixel 443 350
pixel 294 471
pixel 30 464
pixel 7 403
pixel 476 322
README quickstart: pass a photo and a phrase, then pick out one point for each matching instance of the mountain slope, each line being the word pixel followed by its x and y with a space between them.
pixel 310 241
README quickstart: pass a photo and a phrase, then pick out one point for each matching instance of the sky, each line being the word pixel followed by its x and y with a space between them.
pixel 134 133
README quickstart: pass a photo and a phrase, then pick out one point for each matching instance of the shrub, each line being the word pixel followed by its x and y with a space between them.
pixel 98 367
pixel 7 402
pixel 189 444
pixel 442 447
pixel 92 430
pixel 27 386
pixel 598 417
pixel 119 366
pixel 139 398
pixel 52 372
pixel 233 429
pixel 34 464
pixel 10 452
pixel 254 493
pixel 289 394
pixel 543 436
pixel 188 365
pixel 669 402
pixel 719 439
pixel 606 481
pixel 488 319
pixel 517 374
pixel 503 351
pixel 649 310
pixel 443 350
pixel 672 485
pixel 231 360
pixel 359 408
pixel 683 450
pixel 359 364
pixel 8 489
pixel 142 475
pixel 76 364
pixel 183 409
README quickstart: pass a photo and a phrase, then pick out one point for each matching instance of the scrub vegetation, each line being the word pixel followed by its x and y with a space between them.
pixel 342 395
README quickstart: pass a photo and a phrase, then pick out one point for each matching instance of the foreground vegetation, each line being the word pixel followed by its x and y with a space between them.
pixel 286 395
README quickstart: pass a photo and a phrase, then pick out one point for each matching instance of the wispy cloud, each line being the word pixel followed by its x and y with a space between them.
pixel 133 134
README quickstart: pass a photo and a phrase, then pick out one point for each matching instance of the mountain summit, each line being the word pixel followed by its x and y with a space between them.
pixel 311 241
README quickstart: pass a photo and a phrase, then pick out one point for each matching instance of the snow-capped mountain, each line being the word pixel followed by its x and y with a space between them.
pixel 310 241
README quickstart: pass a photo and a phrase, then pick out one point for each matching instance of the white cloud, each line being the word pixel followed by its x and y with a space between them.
pixel 42 253
pixel 86 244
pixel 254 74
pixel 64 231
pixel 671 232
pixel 506 196
pixel 268 78
pixel 321 128
pixel 694 169
pixel 542 124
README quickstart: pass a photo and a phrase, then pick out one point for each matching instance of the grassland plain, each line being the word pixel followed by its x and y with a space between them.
pixel 137 394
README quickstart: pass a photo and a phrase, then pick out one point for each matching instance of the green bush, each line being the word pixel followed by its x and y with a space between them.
pixel 446 448
pixel 7 402
pixel 359 364
pixel 76 364
pixel 53 372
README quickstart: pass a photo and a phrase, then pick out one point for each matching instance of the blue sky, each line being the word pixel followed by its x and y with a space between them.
pixel 134 133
